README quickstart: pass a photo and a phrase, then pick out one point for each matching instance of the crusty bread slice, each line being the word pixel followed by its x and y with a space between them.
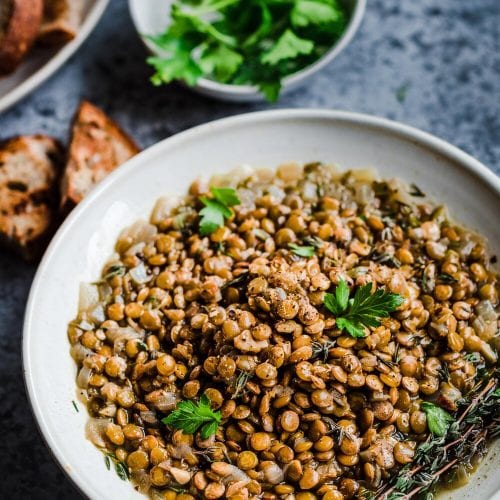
pixel 19 25
pixel 29 171
pixel 97 147
pixel 61 20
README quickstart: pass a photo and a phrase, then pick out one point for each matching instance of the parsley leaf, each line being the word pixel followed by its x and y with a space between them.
pixel 363 310
pixel 216 210
pixel 301 251
pixel 438 420
pixel 245 42
pixel 226 196
pixel 176 68
pixel 221 62
pixel 191 417
pixel 288 46
pixel 306 12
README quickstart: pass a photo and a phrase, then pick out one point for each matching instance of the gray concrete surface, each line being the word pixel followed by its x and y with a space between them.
pixel 434 65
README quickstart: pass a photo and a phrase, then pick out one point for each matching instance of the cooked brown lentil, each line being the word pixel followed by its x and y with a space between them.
pixel 238 316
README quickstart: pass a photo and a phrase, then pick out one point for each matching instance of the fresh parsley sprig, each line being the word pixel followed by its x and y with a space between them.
pixel 256 42
pixel 363 310
pixel 191 417
pixel 217 209
pixel 301 251
pixel 438 420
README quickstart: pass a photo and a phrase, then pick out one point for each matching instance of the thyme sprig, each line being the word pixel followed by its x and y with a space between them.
pixel 321 349
pixel 477 420
pixel 240 384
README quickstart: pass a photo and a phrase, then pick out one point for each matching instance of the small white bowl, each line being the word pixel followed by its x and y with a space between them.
pixel 153 16
pixel 86 240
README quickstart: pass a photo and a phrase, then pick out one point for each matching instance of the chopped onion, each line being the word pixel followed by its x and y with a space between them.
pixel 465 248
pixel 89 297
pixel 485 330
pixel 142 480
pixel 180 451
pixel 273 473
pixel 310 191
pixel 486 310
pixel 123 333
pixel 105 291
pixel 149 417
pixel 85 325
pixel 235 474
pixel 364 194
pixel 163 208
pixel 156 495
pixel 488 352
pixel 95 430
pixel 83 377
pixel 79 352
pixel 276 193
pixel 136 249
pixel 139 274
pixel 97 314
pixel 140 231
pixel 108 411
pixel 166 401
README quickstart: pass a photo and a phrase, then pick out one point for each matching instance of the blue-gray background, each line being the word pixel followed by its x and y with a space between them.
pixel 432 64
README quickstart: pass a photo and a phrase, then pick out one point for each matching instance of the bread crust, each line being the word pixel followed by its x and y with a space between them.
pixel 61 21
pixel 20 33
pixel 98 146
pixel 30 168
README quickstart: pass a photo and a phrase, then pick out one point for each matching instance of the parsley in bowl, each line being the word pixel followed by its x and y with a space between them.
pixel 247 49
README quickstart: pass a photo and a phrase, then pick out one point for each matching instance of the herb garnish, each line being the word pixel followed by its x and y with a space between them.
pixel 142 346
pixel 261 234
pixel 115 270
pixel 245 41
pixel 240 384
pixel 447 279
pixel 477 419
pixel 301 251
pixel 416 191
pixel 120 468
pixel 438 420
pixel 321 349
pixel 363 310
pixel 314 241
pixel 190 417
pixel 217 209
pixel 75 407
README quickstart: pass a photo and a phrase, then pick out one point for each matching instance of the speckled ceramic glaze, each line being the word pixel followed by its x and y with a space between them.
pixel 85 241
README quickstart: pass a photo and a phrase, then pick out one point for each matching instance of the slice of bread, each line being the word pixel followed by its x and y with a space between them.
pixel 97 147
pixel 19 25
pixel 29 172
pixel 61 20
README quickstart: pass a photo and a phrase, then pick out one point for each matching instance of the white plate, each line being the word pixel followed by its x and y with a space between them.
pixel 153 16
pixel 85 241
pixel 41 63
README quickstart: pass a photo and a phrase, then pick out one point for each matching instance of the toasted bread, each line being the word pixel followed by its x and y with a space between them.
pixel 19 25
pixel 29 172
pixel 61 20
pixel 97 147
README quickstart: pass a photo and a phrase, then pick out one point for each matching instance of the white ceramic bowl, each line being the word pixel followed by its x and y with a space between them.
pixel 153 16
pixel 85 241
pixel 41 63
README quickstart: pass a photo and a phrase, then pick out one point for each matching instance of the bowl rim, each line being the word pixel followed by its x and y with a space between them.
pixel 405 132
pixel 58 59
pixel 246 90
